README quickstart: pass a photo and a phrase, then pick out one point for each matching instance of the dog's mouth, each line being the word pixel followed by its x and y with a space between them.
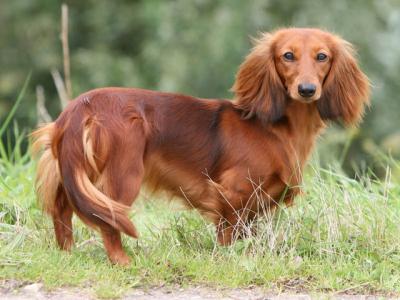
pixel 307 99
pixel 304 98
pixel 306 92
pixel 296 96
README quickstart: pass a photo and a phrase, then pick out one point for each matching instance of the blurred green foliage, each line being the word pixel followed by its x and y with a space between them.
pixel 193 47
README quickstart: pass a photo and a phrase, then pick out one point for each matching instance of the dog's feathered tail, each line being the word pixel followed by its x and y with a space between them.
pixel 65 163
pixel 48 177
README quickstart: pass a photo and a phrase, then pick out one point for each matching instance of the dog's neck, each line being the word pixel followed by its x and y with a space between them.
pixel 302 126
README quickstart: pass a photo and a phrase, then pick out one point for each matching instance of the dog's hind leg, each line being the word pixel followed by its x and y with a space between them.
pixel 124 188
pixel 112 243
pixel 121 181
pixel 62 220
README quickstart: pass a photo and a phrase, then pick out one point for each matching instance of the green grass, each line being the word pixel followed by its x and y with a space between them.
pixel 341 235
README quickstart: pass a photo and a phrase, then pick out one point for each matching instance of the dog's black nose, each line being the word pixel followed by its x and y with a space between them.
pixel 307 89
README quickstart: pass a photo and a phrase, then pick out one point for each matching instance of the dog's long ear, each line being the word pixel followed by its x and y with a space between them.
pixel 258 89
pixel 346 89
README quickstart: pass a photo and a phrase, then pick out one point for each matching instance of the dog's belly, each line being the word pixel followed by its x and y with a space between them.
pixel 194 187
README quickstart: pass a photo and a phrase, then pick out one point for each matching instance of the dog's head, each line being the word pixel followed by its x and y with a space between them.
pixel 306 65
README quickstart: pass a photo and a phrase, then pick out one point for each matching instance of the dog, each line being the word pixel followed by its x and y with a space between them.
pixel 211 153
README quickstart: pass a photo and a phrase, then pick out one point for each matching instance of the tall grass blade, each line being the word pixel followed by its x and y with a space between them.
pixel 15 106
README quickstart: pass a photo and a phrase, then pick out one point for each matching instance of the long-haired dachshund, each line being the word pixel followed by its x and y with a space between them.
pixel 211 153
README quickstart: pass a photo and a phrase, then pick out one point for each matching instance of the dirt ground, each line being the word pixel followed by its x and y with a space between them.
pixel 15 290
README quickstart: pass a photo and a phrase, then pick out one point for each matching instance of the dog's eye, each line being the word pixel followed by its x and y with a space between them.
pixel 289 56
pixel 321 57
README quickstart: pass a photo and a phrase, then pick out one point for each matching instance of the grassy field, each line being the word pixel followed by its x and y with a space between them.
pixel 342 235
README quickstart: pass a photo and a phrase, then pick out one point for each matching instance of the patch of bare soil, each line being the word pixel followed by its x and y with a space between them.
pixel 16 290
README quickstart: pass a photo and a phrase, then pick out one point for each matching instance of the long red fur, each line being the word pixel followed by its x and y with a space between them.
pixel 211 153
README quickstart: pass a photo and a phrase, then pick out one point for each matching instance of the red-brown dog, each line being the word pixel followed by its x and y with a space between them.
pixel 110 141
